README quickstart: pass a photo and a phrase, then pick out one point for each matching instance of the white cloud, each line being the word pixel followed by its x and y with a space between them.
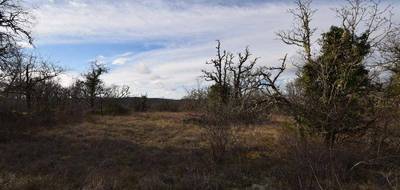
pixel 120 61
pixel 187 30
pixel 77 21
pixel 169 72
pixel 68 78
pixel 175 21
pixel 142 68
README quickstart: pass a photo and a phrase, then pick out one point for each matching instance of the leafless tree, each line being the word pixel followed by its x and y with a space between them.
pixel 117 92
pixel 10 69
pixel 242 72
pixel 246 94
pixel 244 88
pixel 219 74
pixel 26 73
pixel 301 34
pixel 267 82
pixel 390 51
pixel 15 24
pixel 37 71
pixel 368 17
pixel 112 96
pixel 233 77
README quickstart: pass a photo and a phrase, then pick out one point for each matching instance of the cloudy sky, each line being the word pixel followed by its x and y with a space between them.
pixel 159 47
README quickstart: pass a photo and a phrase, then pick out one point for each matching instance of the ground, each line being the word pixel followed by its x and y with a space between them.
pixel 139 151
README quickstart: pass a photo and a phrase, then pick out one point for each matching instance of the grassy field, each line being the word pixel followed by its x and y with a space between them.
pixel 139 151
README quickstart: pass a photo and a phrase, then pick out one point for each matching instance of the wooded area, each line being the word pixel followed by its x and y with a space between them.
pixel 336 125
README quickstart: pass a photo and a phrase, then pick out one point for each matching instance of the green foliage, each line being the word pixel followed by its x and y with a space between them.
pixel 339 66
pixel 394 88
pixel 336 85
pixel 115 108
pixel 93 84
pixel 218 95
pixel 392 99
pixel 142 104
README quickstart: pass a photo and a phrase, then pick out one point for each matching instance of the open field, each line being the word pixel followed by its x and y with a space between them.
pixel 199 94
pixel 139 151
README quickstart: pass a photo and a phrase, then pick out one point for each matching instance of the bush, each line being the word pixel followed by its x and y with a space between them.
pixel 221 140
pixel 166 105
pixel 195 100
pixel 221 131
pixel 141 104
pixel 306 163
pixel 115 108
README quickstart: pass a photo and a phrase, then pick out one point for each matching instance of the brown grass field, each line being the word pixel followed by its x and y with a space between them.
pixel 139 151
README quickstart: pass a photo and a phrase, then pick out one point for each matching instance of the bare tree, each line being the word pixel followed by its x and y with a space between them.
pixel 267 82
pixel 390 51
pixel 235 88
pixel 367 17
pixel 232 77
pixel 219 74
pixel 35 72
pixel 245 94
pixel 112 97
pixel 15 23
pixel 26 73
pixel 242 72
pixel 302 31
pixel 10 69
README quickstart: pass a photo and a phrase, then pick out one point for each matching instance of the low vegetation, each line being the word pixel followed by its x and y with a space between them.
pixel 158 150
pixel 334 126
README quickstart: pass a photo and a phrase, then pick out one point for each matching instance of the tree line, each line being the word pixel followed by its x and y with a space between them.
pixel 29 84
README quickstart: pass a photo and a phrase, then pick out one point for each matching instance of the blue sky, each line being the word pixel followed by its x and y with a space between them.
pixel 76 56
pixel 159 47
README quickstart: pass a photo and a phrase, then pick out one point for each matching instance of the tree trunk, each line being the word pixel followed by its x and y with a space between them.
pixel 28 101
pixel 91 102
pixel 330 139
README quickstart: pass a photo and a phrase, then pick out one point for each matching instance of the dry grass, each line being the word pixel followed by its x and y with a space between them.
pixel 169 151
pixel 139 151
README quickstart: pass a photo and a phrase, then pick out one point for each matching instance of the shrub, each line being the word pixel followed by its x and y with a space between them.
pixel 115 108
pixel 306 163
pixel 141 104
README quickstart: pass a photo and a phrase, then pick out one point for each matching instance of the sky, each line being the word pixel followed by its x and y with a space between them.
pixel 159 47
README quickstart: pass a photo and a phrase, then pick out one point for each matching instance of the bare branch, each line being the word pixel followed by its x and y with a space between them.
pixel 302 31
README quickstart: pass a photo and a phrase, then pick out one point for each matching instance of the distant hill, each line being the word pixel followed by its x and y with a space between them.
pixel 153 104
